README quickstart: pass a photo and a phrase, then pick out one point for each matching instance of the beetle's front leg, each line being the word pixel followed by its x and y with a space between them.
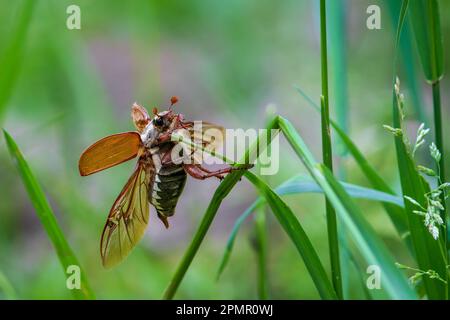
pixel 165 137
pixel 179 124
pixel 198 172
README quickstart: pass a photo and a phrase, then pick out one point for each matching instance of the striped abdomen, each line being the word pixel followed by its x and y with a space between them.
pixel 167 187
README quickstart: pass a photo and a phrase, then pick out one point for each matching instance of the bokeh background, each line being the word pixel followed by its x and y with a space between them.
pixel 227 61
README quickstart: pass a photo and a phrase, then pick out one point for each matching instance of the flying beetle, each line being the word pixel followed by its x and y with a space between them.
pixel 157 178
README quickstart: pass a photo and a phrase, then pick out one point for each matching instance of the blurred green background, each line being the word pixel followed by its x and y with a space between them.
pixel 226 61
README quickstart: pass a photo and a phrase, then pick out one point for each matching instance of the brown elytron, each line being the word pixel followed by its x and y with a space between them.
pixel 158 179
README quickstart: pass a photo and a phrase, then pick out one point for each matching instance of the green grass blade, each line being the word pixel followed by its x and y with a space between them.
pixel 424 17
pixel 237 225
pixel 279 208
pixel 261 251
pixel 371 247
pixel 338 53
pixel 298 236
pixel 327 156
pixel 47 218
pixel 300 185
pixel 262 241
pixel 396 214
pixel 365 238
pixel 408 61
pixel 11 58
pixel 221 192
pixel 429 254
pixel 7 288
pixel 438 135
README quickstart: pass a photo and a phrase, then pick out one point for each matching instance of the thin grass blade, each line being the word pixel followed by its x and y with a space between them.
pixel 46 216
pixel 11 58
pixel 429 253
pixel 365 238
pixel 327 155
pixel 6 287
pixel 221 192
pixel 396 214
pixel 424 17
pixel 261 252
pixel 408 60
pixel 301 185
pixel 292 227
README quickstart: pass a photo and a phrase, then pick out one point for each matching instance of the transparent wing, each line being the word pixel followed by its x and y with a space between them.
pixel 128 217
pixel 208 135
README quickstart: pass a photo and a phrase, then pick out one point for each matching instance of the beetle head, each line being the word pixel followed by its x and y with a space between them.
pixel 161 123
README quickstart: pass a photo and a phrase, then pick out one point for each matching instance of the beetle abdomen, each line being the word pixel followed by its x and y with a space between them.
pixel 167 188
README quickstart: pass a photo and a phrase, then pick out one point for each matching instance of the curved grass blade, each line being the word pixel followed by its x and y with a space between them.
pixel 7 288
pixel 261 240
pixel 428 252
pixel 300 185
pixel 47 218
pixel 298 236
pixel 283 213
pixel 424 17
pixel 221 192
pixel 408 60
pixel 365 238
pixel 237 225
pixel 303 184
pixel 371 247
pixel 396 214
pixel 11 58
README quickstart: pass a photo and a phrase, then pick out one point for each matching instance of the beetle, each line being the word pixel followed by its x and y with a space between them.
pixel 158 178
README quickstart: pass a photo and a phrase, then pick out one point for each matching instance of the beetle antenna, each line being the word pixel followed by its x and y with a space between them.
pixel 173 100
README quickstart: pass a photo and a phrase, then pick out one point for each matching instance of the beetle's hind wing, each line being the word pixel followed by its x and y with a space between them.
pixel 129 215
pixel 210 136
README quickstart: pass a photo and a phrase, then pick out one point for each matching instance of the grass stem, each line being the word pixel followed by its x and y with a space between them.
pixel 441 166
pixel 327 156
pixel 261 240
pixel 438 128
pixel 224 188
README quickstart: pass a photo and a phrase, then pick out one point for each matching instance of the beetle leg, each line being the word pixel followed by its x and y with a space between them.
pixel 166 159
pixel 201 173
pixel 165 137
pixel 221 176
